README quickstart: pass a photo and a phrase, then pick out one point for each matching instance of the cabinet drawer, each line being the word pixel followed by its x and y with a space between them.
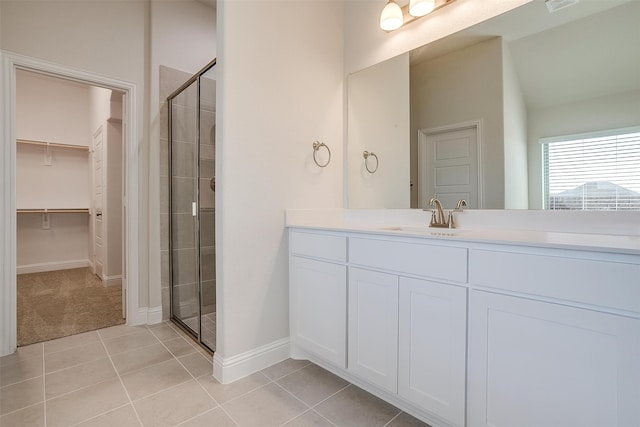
pixel 325 246
pixel 439 262
pixel 597 282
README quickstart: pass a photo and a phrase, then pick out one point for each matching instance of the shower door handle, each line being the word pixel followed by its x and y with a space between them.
pixel 194 208
pixel 212 184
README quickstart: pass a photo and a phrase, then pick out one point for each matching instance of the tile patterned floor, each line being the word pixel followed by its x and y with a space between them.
pixel 155 376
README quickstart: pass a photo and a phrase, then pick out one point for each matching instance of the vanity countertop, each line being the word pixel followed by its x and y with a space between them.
pixel 621 244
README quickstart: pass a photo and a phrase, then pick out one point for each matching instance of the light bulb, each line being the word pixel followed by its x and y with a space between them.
pixel 391 16
pixel 421 7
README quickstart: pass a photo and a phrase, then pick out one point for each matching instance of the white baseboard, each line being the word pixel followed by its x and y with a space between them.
pixel 109 281
pixel 146 316
pixel 227 370
pixel 52 266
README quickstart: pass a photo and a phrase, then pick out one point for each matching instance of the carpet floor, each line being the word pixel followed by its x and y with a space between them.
pixel 56 304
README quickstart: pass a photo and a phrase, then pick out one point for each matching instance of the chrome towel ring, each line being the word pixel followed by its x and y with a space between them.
pixel 366 155
pixel 316 147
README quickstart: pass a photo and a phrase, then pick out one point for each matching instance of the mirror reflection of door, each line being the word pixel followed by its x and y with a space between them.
pixel 448 165
pixel 98 178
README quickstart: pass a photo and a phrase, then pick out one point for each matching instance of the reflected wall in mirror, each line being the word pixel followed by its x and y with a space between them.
pixel 463 117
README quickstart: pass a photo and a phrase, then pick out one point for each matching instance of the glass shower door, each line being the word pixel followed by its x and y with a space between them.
pixel 184 194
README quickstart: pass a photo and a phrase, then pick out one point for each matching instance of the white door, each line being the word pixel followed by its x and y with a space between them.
pixel 98 203
pixel 433 347
pixel 534 363
pixel 319 308
pixel 373 327
pixel 448 166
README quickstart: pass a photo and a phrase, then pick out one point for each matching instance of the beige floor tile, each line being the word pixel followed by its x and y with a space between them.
pixel 283 368
pixel 20 370
pixel 71 341
pixel 140 358
pixel 21 395
pixel 180 347
pixel 124 416
pixel 215 417
pixel 74 356
pixel 267 406
pixel 355 407
pixel 85 403
pixel 312 384
pixel 33 416
pixel 164 332
pixel 174 405
pixel 79 376
pixel 22 353
pixel 309 419
pixel 197 364
pixel 155 378
pixel 120 330
pixel 406 420
pixel 130 342
pixel 225 392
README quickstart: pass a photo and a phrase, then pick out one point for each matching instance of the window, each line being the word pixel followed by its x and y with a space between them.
pixel 597 171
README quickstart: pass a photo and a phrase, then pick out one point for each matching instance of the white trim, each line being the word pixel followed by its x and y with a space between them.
pixel 11 62
pixel 52 266
pixel 587 135
pixel 422 138
pixel 227 370
pixel 108 281
pixel 146 316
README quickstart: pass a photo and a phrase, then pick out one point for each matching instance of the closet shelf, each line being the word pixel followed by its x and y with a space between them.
pixel 53 144
pixel 41 211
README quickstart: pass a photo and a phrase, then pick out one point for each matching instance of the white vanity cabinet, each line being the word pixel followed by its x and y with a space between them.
pixel 432 347
pixel 373 327
pixel 564 348
pixel 542 364
pixel 318 295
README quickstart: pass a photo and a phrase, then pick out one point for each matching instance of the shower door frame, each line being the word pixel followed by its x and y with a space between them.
pixel 197 335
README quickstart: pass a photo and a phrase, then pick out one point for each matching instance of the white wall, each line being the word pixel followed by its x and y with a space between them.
pixel 281 71
pixel 463 86
pixel 107 38
pixel 516 179
pixel 51 110
pixel 183 37
pixel 378 122
pixel 607 112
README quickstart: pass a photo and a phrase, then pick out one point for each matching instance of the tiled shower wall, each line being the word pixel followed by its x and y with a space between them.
pixel 171 79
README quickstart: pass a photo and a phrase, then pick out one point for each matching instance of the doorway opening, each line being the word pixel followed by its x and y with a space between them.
pixel 69 205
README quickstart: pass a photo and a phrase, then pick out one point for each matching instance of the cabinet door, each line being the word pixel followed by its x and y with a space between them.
pixel 373 327
pixel 540 364
pixel 432 347
pixel 318 308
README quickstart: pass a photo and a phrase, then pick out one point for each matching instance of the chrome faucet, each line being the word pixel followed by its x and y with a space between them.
pixel 458 208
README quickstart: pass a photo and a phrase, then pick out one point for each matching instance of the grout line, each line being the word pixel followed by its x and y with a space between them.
pixel 329 397
pixel 121 382
pixel 21 409
pixel 44 388
pixel 391 420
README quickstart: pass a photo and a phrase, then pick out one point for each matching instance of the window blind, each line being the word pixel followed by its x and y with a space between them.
pixel 592 172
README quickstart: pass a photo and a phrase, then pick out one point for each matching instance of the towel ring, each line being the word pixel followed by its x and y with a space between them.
pixel 316 147
pixel 366 155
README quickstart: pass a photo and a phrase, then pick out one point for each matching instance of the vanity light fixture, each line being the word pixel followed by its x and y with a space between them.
pixel 393 16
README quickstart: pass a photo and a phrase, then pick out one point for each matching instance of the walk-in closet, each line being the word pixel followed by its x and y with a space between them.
pixel 192 118
pixel 69 192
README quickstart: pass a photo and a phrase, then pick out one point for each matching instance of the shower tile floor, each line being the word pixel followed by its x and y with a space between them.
pixel 156 376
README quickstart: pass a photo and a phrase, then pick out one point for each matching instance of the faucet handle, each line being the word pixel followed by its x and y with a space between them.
pixel 461 202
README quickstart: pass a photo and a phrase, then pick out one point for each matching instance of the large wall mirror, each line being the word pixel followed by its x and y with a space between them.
pixel 464 117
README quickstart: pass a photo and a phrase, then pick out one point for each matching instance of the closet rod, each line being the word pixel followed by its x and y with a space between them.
pixel 53 144
pixel 40 211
